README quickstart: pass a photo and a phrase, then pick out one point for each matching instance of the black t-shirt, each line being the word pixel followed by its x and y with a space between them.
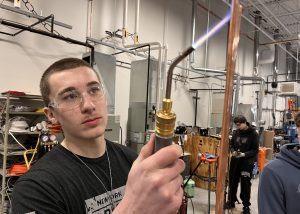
pixel 60 183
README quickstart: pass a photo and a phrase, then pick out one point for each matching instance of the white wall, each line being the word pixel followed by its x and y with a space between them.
pixel 26 56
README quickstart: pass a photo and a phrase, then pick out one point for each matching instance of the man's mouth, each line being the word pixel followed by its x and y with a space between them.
pixel 91 120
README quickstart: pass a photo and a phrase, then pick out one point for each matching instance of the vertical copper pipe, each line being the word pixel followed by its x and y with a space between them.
pixel 233 40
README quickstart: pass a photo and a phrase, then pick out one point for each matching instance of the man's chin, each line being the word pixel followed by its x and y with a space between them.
pixel 93 134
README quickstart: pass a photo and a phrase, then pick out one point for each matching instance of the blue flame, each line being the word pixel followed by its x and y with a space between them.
pixel 213 30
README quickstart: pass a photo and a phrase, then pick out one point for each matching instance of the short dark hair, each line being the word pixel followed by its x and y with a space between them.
pixel 58 66
pixel 240 119
pixel 297 119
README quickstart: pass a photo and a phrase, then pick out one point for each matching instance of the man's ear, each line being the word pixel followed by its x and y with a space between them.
pixel 49 113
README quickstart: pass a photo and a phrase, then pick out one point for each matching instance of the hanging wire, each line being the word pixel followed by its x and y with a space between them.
pixel 192 205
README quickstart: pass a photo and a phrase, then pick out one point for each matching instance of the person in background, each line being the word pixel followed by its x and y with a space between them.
pixel 279 183
pixel 244 146
pixel 87 173
pixel 297 123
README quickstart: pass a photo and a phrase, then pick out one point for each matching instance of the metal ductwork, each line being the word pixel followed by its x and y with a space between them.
pixel 256 43
pixel 274 77
pixel 258 117
pixel 289 65
pixel 275 63
pixel 236 95
pixel 269 53
pixel 296 64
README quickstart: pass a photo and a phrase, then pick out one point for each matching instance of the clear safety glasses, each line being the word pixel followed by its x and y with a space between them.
pixel 72 99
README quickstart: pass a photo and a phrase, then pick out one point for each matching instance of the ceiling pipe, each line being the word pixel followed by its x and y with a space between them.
pixel 89 19
pixel 274 78
pixel 19 11
pixel 280 42
pixel 260 79
pixel 137 20
pixel 275 63
pixel 207 29
pixel 236 96
pixel 48 34
pixel 260 98
pixel 297 64
pixel 124 28
pixel 256 44
pixel 210 70
pixel 194 11
pixel 96 41
pixel 288 14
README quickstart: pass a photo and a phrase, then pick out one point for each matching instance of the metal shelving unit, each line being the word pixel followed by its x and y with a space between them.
pixel 9 137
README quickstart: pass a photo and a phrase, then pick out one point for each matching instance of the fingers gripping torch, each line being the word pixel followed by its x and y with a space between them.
pixel 165 118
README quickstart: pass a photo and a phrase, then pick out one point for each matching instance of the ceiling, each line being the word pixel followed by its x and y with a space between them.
pixel 280 19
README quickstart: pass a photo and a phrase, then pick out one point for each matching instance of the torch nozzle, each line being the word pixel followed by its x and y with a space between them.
pixel 171 68
pixel 165 118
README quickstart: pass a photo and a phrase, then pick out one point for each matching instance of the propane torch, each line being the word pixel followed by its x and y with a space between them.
pixel 165 118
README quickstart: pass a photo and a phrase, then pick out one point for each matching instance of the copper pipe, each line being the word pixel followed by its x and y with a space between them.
pixel 233 40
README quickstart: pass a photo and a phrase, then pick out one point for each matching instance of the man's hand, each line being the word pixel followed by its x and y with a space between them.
pixel 240 155
pixel 154 182
pixel 234 153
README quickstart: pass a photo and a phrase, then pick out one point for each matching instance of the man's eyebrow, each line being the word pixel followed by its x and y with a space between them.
pixel 66 90
pixel 71 88
pixel 93 83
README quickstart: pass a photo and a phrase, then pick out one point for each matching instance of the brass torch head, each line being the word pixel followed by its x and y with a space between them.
pixel 165 120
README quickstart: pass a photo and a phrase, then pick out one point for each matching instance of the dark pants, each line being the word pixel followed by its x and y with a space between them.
pixel 240 170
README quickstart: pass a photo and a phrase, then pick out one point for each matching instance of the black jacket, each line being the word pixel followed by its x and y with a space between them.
pixel 246 141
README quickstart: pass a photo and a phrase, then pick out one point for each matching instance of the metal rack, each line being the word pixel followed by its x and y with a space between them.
pixel 10 137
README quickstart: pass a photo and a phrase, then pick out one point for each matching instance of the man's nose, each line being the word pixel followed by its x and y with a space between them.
pixel 87 102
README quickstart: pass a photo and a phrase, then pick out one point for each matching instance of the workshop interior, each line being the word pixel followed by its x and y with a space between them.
pixel 181 69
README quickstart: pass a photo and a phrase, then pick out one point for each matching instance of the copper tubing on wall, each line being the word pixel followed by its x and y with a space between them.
pixel 233 40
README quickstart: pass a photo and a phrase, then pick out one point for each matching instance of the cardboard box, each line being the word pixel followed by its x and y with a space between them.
pixel 268 137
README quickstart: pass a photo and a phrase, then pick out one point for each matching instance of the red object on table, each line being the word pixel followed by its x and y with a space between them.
pixel 203 158
pixel 15 93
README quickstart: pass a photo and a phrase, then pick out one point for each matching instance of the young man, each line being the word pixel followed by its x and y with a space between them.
pixel 86 173
pixel 279 183
pixel 244 148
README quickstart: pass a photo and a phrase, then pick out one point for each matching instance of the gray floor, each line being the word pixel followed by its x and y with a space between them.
pixel 200 201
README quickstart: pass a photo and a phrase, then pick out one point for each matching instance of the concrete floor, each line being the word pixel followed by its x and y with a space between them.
pixel 200 201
